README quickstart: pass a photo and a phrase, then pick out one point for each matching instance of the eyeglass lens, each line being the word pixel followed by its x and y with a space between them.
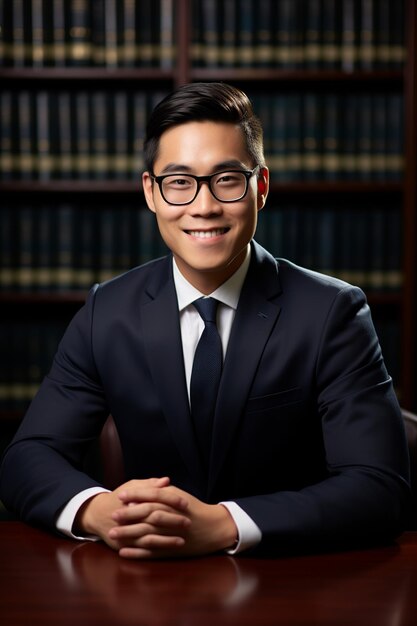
pixel 225 186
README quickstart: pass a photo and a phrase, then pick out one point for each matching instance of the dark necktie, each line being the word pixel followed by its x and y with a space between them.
pixel 205 375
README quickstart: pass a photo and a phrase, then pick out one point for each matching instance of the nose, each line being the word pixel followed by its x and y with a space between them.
pixel 205 203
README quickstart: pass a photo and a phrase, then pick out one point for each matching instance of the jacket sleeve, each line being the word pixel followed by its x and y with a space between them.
pixel 43 466
pixel 366 492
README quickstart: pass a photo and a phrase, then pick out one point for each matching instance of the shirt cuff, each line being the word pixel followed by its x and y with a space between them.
pixel 66 517
pixel 249 534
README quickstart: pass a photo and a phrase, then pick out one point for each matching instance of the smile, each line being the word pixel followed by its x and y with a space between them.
pixel 207 234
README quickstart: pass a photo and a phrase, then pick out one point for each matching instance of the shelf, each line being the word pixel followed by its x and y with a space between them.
pixel 17 187
pixel 337 187
pixel 389 79
pixel 11 416
pixel 122 74
pixel 311 193
pixel 71 186
pixel 257 75
pixel 41 298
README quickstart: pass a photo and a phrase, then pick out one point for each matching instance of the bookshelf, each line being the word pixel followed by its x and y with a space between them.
pixel 107 192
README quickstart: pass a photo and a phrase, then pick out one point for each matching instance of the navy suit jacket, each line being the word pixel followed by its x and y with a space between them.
pixel 308 437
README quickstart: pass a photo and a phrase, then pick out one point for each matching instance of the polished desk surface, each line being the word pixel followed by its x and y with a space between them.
pixel 49 580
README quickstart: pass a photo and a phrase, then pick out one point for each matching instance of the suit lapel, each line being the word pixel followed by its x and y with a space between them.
pixel 162 336
pixel 256 316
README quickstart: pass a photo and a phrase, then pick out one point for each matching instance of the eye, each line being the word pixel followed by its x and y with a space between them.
pixel 177 182
pixel 229 178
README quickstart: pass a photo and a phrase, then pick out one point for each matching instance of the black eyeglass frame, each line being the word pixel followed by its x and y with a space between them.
pixel 204 179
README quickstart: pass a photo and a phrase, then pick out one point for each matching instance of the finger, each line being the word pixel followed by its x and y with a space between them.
pixel 153 494
pixel 140 512
pixel 163 522
pixel 168 525
pixel 154 546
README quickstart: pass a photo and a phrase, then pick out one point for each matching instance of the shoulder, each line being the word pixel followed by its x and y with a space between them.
pixel 291 272
pixel 138 281
pixel 304 283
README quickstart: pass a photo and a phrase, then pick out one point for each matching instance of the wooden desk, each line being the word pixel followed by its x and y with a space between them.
pixel 45 580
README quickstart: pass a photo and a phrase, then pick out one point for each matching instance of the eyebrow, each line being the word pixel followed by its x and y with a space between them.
pixel 230 164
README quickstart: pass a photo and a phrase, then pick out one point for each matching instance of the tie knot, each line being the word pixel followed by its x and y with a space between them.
pixel 207 307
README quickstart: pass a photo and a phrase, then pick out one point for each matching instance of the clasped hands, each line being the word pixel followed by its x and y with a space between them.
pixel 148 519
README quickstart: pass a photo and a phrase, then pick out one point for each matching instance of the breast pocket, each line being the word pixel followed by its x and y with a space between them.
pixel 274 400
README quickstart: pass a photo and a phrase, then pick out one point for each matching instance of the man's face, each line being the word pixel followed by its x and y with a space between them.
pixel 208 238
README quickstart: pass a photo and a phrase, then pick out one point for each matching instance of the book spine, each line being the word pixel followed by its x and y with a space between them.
pixel 43 157
pixel 278 156
pixel 378 137
pixel 331 137
pixel 210 33
pixel 128 55
pixel 283 35
pixel 397 34
pixel 349 45
pixel 78 37
pixel 312 35
pixel 245 50
pixel 19 47
pixel 42 270
pixel 331 34
pixel 7 156
pixel 106 243
pixel 382 48
pixel 122 165
pixel 166 49
pixel 100 134
pixel 59 57
pixel 47 33
pixel 197 48
pixel 366 52
pixel 311 136
pixel 349 136
pixel 110 34
pixel 26 135
pixel 364 156
pixel 293 134
pixel 395 161
pixel 38 44
pixel 6 34
pixel 264 40
pixel 7 248
pixel 82 162
pixel 229 49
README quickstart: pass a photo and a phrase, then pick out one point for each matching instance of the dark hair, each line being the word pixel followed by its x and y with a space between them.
pixel 217 102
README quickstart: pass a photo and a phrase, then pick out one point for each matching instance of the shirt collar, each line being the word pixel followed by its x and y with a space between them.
pixel 228 293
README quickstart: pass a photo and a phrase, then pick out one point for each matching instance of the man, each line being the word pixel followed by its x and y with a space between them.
pixel 306 447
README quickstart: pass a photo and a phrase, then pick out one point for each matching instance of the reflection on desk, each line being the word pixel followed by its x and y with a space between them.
pixel 52 580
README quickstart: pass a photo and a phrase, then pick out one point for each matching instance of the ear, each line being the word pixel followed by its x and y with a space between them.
pixel 263 187
pixel 148 185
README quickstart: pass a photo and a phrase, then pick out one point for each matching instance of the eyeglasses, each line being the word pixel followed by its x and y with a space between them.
pixel 228 186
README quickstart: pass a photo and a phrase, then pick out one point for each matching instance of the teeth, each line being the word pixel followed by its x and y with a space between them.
pixel 207 234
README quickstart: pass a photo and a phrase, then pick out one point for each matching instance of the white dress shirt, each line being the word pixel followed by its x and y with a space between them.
pixel 192 327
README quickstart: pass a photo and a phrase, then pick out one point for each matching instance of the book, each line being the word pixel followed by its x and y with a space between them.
pixel 38 28
pixel 44 158
pixel 229 33
pixel 101 127
pixel 78 50
pixel 59 47
pixel 313 47
pixel 331 34
pixel 7 135
pixel 264 37
pixel 166 31
pixel 245 56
